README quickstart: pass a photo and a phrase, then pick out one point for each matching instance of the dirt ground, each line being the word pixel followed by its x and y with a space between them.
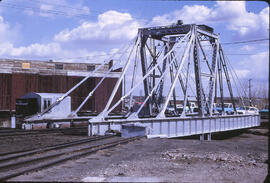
pixel 26 142
pixel 239 156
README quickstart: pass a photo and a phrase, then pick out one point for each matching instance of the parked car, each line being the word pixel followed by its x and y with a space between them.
pixel 241 110
pixel 192 105
pixel 253 110
pixel 180 108
pixel 196 111
pixel 228 108
pixel 247 110
pixel 170 110
pixel 188 109
pixel 264 113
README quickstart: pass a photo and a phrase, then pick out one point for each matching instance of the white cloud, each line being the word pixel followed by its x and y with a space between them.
pixel 9 33
pixel 9 36
pixel 250 24
pixel 114 27
pixel 54 51
pixel 242 73
pixel 33 49
pixel 44 9
pixel 233 14
pixel 3 29
pixel 29 12
pixel 227 10
pixel 111 26
pixel 189 14
pixel 247 48
pixel 113 17
pixel 43 51
pixel 50 8
pixel 257 65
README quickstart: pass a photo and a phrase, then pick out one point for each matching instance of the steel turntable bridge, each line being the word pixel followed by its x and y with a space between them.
pixel 167 62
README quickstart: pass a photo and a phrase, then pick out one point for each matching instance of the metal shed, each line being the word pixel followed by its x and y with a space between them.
pixel 44 100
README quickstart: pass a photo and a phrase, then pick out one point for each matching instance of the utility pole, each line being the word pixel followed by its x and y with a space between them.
pixel 249 86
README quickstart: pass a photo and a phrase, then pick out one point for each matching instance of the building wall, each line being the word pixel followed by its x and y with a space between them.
pixel 5 91
pixel 103 93
pixel 16 85
pixel 79 94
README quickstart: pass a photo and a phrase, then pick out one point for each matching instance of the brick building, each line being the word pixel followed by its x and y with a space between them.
pixel 18 77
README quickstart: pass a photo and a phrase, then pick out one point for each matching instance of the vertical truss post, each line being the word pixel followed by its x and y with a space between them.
pixel 185 92
pixel 105 112
pixel 161 114
pixel 198 78
pixel 189 58
pixel 160 97
pixel 172 78
pixel 223 61
pixel 213 76
pixel 215 99
pixel 171 74
pixel 133 77
pixel 181 80
pixel 154 63
pixel 144 70
pixel 220 83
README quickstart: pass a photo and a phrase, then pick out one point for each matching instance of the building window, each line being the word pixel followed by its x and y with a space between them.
pixel 26 65
pixel 49 103
pixel 90 67
pixel 46 103
pixel 59 66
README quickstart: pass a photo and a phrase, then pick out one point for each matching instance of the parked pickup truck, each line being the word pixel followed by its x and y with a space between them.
pixel 228 108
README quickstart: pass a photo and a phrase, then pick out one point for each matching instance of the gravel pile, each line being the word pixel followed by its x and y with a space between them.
pixel 183 154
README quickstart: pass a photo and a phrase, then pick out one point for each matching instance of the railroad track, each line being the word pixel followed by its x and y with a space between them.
pixel 21 162
pixel 7 133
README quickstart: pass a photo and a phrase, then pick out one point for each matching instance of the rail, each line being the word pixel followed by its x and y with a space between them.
pixel 14 168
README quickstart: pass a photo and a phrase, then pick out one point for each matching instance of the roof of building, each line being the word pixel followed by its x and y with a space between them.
pixel 53 68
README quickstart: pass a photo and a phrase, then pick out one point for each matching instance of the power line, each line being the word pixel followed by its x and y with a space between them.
pixel 240 42
pixel 108 54
pixel 70 58
pixel 123 47
pixel 39 2
pixel 248 41
pixel 244 53
pixel 54 12
pixel 55 4
pixel 89 56
pixel 64 6
pixel 35 9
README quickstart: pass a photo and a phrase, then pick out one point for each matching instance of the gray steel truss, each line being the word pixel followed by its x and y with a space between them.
pixel 170 57
pixel 179 127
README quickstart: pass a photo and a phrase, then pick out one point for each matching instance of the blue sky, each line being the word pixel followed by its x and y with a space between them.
pixel 53 29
